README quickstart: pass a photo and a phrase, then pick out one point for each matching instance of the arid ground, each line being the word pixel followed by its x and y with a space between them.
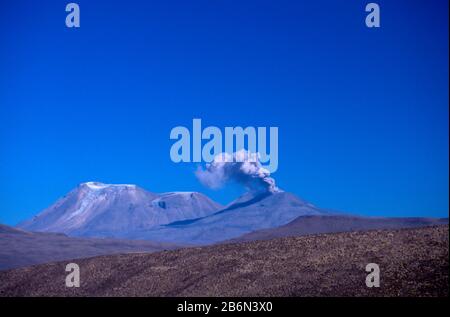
pixel 413 262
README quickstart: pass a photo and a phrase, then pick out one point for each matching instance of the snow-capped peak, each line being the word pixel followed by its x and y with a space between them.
pixel 98 185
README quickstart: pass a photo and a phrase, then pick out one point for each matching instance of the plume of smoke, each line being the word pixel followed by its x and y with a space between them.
pixel 241 167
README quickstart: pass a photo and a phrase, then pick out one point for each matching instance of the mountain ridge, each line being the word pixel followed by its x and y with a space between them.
pixel 314 224
pixel 253 212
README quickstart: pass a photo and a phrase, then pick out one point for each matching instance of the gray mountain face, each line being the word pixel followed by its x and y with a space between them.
pixel 246 214
pixel 105 210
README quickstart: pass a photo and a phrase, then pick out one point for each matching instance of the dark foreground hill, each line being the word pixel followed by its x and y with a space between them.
pixel 22 248
pixel 413 262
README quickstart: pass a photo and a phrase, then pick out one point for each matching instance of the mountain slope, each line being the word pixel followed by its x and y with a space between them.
pixel 106 210
pixel 413 262
pixel 21 248
pixel 246 214
pixel 10 230
pixel 306 225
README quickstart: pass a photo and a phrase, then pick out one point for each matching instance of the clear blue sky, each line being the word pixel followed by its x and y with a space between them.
pixel 362 113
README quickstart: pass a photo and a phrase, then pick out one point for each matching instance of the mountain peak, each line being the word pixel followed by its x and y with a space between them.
pixel 252 211
pixel 99 185
pixel 99 209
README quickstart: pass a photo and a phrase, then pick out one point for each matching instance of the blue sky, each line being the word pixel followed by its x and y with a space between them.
pixel 362 113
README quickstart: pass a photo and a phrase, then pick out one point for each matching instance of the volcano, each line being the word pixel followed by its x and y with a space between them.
pixel 114 210
pixel 189 218
pixel 250 212
pixel 127 211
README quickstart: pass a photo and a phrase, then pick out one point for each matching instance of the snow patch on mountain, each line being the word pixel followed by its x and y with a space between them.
pixel 98 185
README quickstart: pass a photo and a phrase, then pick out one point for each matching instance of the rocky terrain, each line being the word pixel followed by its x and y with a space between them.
pixel 413 262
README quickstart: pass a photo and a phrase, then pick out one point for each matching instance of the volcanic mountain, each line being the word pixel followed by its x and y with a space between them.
pixel 250 212
pixel 190 218
pixel 128 211
pixel 263 215
pixel 105 210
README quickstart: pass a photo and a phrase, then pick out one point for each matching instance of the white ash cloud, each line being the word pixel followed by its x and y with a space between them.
pixel 241 167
